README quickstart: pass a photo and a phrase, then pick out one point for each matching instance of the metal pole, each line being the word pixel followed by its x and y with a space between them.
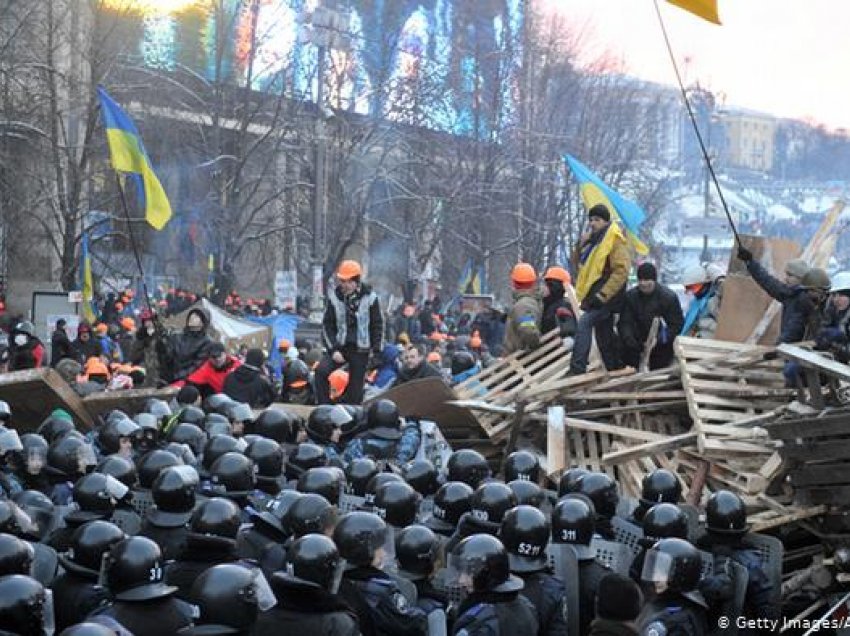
pixel 319 200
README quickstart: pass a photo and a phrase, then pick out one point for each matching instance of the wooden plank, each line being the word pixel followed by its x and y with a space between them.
pixel 772 519
pixel 690 393
pixel 809 428
pixel 611 396
pixel 814 360
pixel 740 390
pixel 130 401
pixel 817 451
pixel 829 474
pixel 629 408
pixel 32 395
pixel 555 440
pixel 650 448
pixel 617 431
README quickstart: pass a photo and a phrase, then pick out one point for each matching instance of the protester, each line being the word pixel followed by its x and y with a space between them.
pixel 704 283
pixel 25 349
pixel 248 383
pixel 210 376
pixel 60 344
pixel 414 366
pixel 522 331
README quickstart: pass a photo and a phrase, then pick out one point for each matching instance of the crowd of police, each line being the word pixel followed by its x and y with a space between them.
pixel 190 517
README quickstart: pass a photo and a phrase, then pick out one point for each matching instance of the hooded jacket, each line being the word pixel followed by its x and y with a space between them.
pixel 210 380
pixel 247 384
pixel 189 348
pixel 388 369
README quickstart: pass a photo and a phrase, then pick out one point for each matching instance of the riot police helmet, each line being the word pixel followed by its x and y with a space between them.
pixel 525 532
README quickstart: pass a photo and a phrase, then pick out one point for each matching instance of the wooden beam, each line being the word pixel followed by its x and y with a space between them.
pixel 618 431
pixel 651 448
pixel 814 360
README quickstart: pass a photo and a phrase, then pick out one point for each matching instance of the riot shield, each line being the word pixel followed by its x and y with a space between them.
pixel 142 500
pixel 771 552
pixel 564 562
pixel 613 555
pixel 437 623
pixel 628 533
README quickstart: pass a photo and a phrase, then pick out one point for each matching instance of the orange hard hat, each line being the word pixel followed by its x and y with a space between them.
pixel 95 366
pixel 348 270
pixel 559 274
pixel 128 323
pixel 523 274
pixel 101 328
pixel 338 381
pixel 434 357
pixel 284 344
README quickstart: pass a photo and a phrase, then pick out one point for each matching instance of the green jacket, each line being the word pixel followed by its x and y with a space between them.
pixel 522 331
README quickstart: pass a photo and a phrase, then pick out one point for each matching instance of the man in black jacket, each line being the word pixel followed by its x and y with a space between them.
pixel 60 344
pixel 644 303
pixel 353 326
pixel 414 366
pixel 248 384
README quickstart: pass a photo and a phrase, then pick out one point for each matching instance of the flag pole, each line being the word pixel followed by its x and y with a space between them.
pixel 694 123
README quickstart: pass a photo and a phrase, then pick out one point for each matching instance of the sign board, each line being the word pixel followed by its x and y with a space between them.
pixel 47 305
pixel 72 324
pixel 75 297
pixel 475 303
pixel 286 289
pixel 711 226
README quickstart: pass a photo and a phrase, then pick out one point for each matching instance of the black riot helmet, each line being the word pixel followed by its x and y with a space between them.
pixel 725 513
pixel 218 445
pixel 358 535
pixel 416 550
pixel 322 481
pixel 158 408
pixel 376 482
pixel 422 475
pixel 216 424
pixel 88 629
pixel 673 564
pixel 24 606
pixel 522 464
pixel 174 498
pixel 324 420
pixel 525 533
pixel 123 469
pixel 190 434
pixel 574 522
pixel 217 517
pixel 602 491
pixel 274 513
pixel 660 486
pixel 88 545
pixel 55 427
pixel 663 521
pixel 33 455
pixel 13 520
pixel 451 501
pixel 96 496
pixel 310 513
pixel 358 473
pixel 152 463
pixel 217 403
pixel 468 466
pixel 490 502
pixel 15 555
pixel 226 598
pixel 134 570
pixel 70 457
pixel 527 493
pixel 40 509
pixel 462 361
pixel 277 425
pixel 267 455
pixel 314 559
pixel 484 560
pixel 396 503
pixel 110 435
pixel 569 481
pixel 305 457
pixel 232 475
pixel 384 419
pixel 192 415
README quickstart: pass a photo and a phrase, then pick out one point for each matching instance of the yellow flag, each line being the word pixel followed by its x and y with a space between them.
pixel 706 9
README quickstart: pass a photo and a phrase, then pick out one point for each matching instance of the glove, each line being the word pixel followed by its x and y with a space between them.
pixel 826 337
pixel 592 302
pixel 744 254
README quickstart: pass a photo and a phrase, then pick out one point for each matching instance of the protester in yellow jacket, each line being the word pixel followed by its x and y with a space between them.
pixel 603 260
pixel 522 331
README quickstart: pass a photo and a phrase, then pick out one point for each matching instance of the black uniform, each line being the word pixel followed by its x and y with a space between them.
pixel 548 596
pixel 489 613
pixel 201 553
pixel 590 572
pixel 636 321
pixel 171 540
pixel 75 596
pixel 247 384
pixel 673 615
pixel 380 605
pixel 557 312
pixel 151 618
pixel 428 598
pixel 306 609
pixel 468 526
pixel 259 543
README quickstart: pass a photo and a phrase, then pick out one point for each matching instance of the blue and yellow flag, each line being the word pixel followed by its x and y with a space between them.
pixel 594 192
pixel 128 155
pixel 471 279
pixel 593 262
pixel 210 274
pixel 87 283
pixel 705 9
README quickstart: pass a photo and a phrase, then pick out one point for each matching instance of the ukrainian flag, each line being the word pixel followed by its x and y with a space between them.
pixel 706 9
pixel 471 279
pixel 87 281
pixel 594 192
pixel 210 274
pixel 128 155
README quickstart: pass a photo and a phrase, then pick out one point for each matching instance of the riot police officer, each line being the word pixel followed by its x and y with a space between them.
pixel 525 534
pixel 529 494
pixel 306 593
pixel 382 608
pixel 659 486
pixel 267 456
pixel 417 549
pixel 388 437
pixel 68 458
pixel 488 505
pixel 281 426
pixel 211 539
pixel 302 459
pixel 522 464
pixel 174 500
pixel 452 501
pixel 358 473
pixel 573 523
pixel 602 491
pixel 142 602
pixel 95 496
pixel 15 555
pixel 30 463
pixel 263 539
pixel 661 521
pixel 672 568
pixel 468 466
pixel 322 481
pixel 232 476
pixel 310 514
pixel 324 428
pixel 228 599
pixel 726 537
pixel 24 606
pixel 76 592
pixel 569 481
pixel 494 604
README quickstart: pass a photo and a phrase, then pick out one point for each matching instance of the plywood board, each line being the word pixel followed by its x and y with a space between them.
pixel 34 393
pixel 744 302
pixel 130 401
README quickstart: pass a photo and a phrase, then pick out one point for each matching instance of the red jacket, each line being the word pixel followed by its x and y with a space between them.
pixel 208 379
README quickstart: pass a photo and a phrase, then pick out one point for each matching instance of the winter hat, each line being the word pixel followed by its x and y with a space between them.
pixel 255 358
pixel 647 271
pixel 600 212
pixel 618 598
pixel 797 267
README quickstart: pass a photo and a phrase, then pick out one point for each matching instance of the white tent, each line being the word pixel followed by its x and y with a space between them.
pixel 227 329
